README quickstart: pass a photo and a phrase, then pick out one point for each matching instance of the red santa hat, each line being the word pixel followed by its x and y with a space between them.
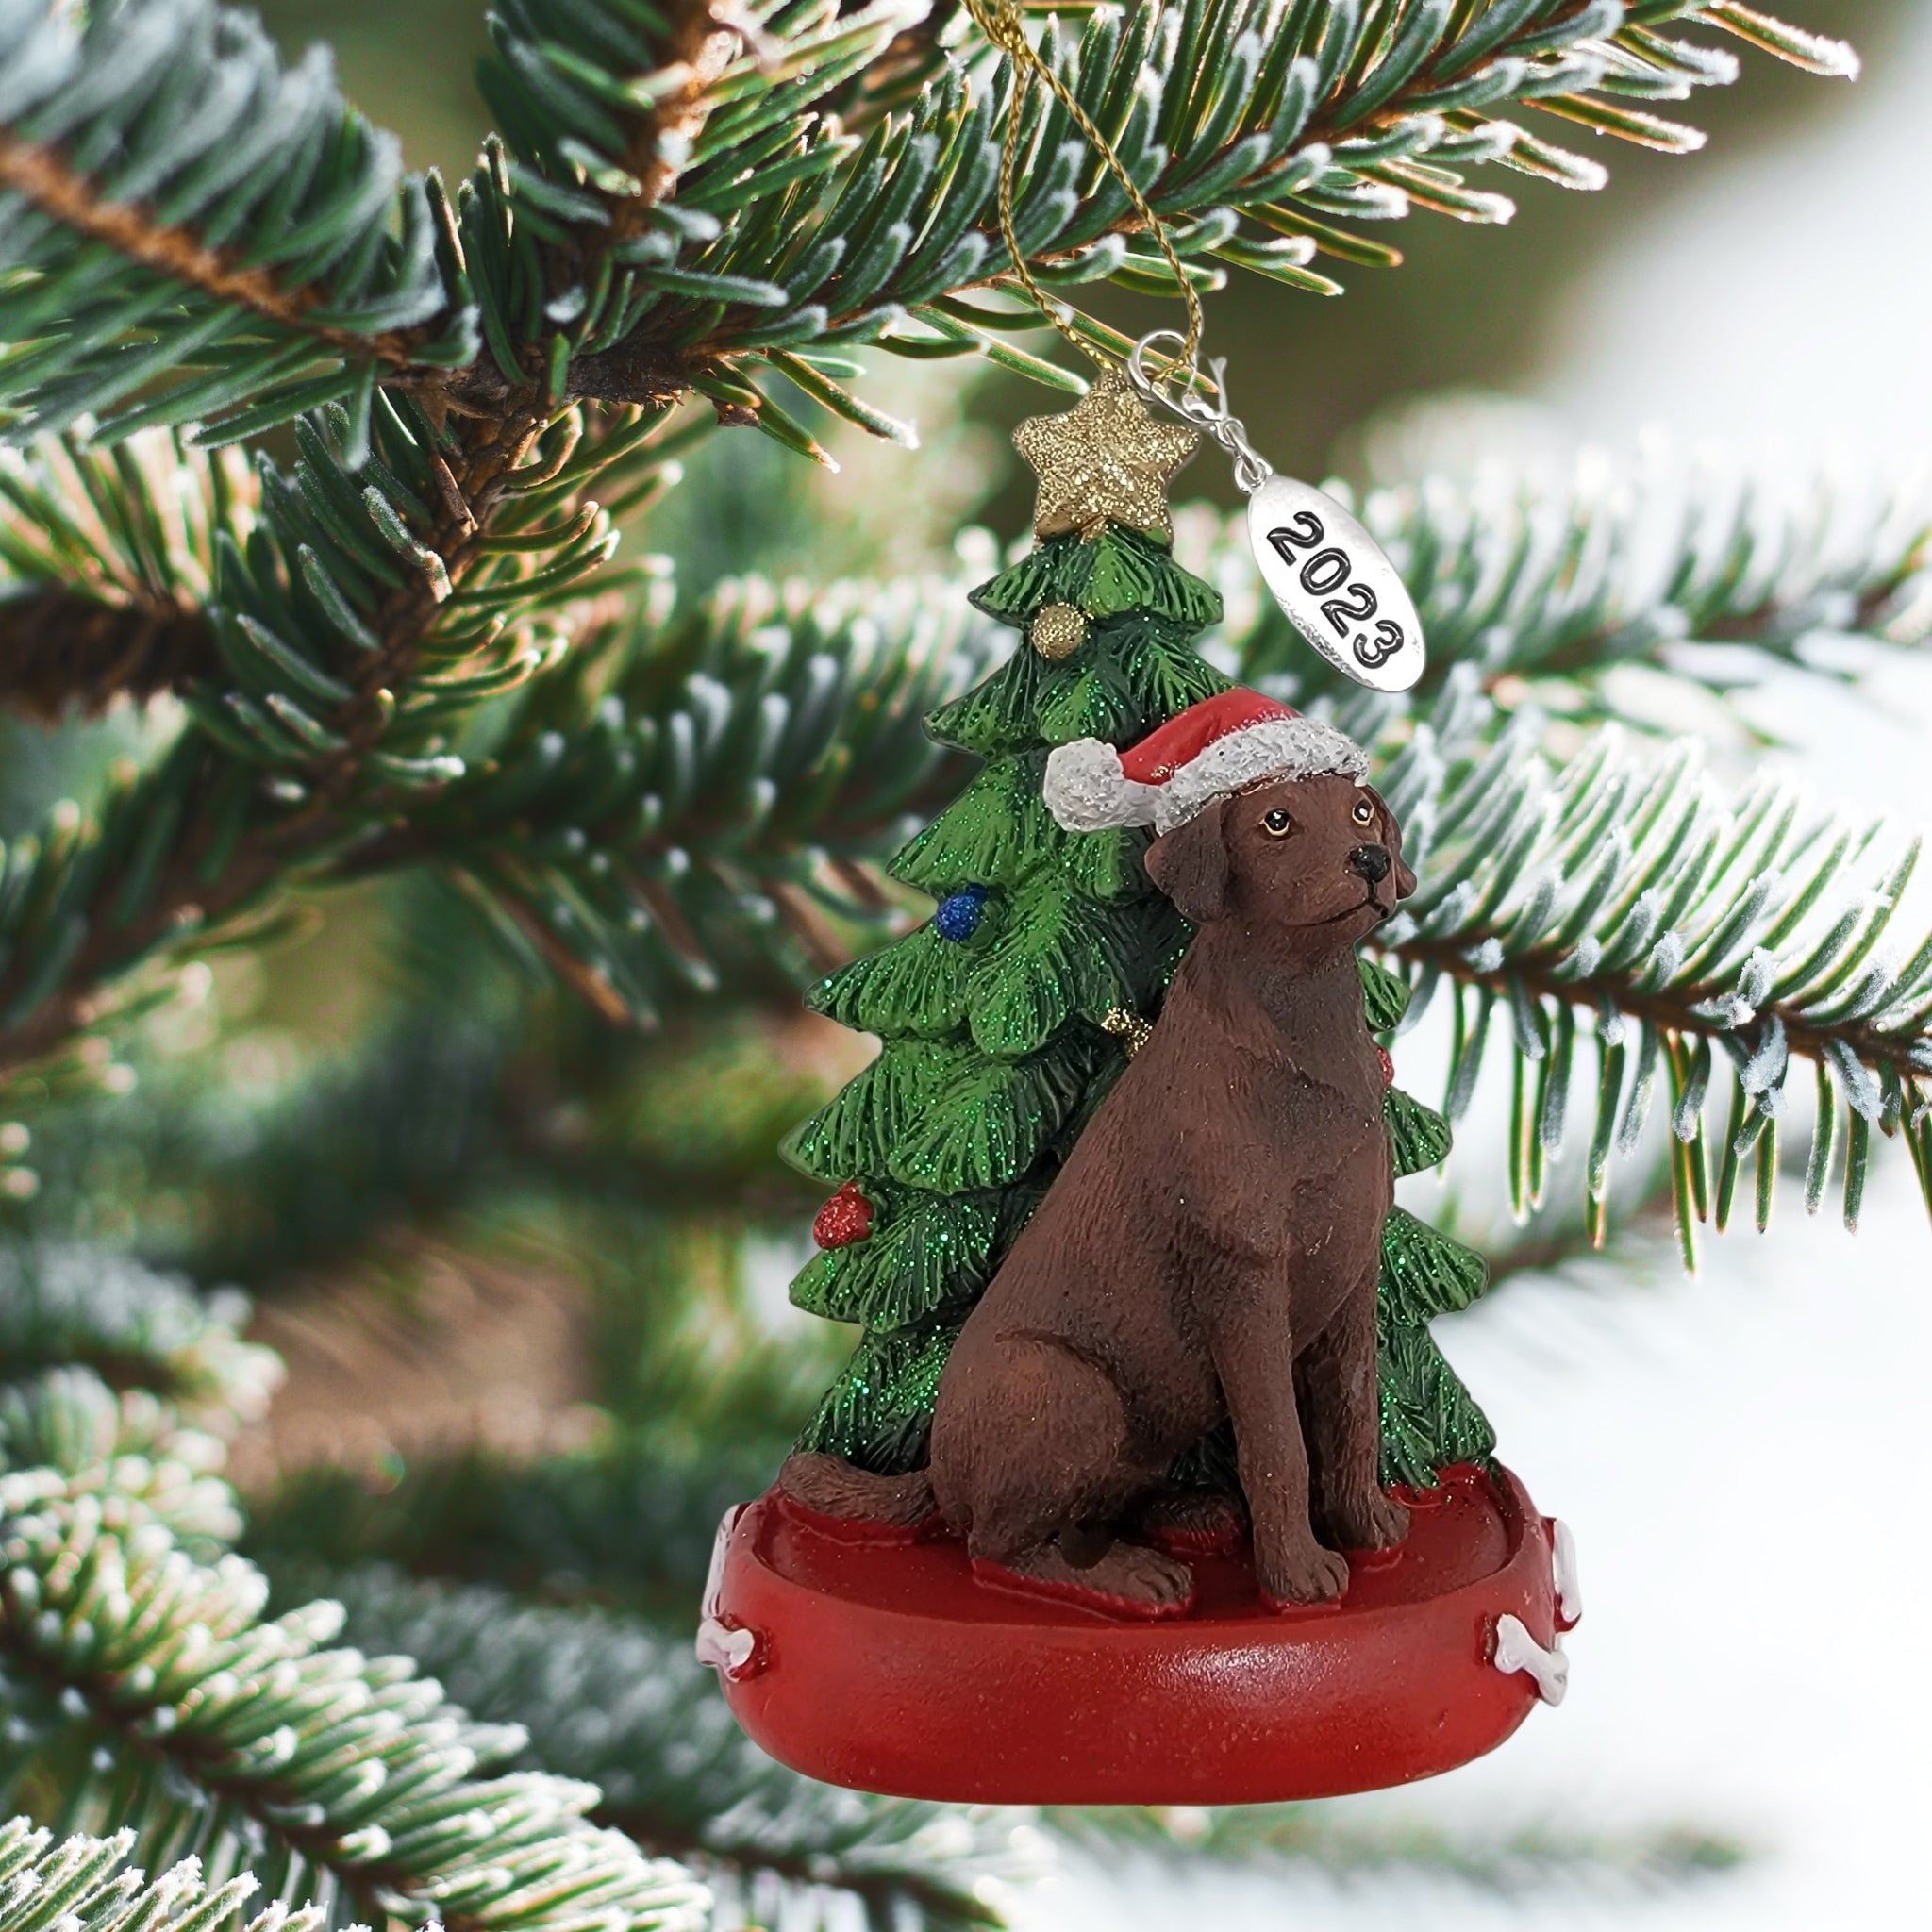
pixel 1211 750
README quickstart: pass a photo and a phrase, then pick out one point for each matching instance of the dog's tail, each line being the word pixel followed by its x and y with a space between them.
pixel 834 1487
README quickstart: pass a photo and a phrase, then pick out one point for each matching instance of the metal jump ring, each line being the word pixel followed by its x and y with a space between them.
pixel 1251 468
pixel 1154 388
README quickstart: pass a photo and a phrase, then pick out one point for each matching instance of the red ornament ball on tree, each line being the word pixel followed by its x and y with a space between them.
pixel 1388 1066
pixel 845 1219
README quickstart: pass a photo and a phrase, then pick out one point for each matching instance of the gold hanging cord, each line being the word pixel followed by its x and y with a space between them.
pixel 1004 23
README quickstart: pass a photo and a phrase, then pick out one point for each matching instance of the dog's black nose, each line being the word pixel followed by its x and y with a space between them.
pixel 1371 861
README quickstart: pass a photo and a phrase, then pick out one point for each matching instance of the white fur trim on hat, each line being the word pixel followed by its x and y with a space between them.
pixel 1297 747
pixel 1086 790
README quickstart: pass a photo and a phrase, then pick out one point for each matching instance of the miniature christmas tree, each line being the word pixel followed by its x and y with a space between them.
pixel 1005 1016
pixel 1430 1419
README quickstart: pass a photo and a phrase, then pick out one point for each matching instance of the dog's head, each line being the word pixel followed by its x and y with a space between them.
pixel 1314 863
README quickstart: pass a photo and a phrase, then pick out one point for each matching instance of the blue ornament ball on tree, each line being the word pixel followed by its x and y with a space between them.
pixel 960 912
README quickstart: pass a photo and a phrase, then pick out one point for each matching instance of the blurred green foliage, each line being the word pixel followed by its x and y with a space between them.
pixel 297 1112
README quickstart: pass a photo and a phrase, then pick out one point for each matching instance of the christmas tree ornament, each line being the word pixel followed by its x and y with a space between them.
pixel 1130 1029
pixel 1146 1480
pixel 961 914
pixel 845 1219
pixel 1057 632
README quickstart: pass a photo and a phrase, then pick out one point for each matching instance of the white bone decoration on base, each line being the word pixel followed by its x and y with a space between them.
pixel 1563 1560
pixel 730 1652
pixel 1517 1650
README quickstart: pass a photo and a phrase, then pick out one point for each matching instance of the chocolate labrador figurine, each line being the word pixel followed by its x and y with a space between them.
pixel 1210 1250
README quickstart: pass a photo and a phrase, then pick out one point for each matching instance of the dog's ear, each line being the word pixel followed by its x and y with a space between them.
pixel 1190 865
pixel 1391 837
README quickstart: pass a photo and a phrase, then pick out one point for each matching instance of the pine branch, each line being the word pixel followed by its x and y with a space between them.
pixel 63 1305
pixel 154 1689
pixel 1515 1867
pixel 1631 889
pixel 695 779
pixel 83 1885
pixel 130 1450
pixel 392 583
pixel 605 116
pixel 42 176
pixel 110 557
pixel 684 203
pixel 1268 112
pixel 631 1712
pixel 1545 589
pixel 195 234
pixel 705 211
pixel 351 644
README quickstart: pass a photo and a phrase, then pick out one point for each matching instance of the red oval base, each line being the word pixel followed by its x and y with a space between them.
pixel 881 1664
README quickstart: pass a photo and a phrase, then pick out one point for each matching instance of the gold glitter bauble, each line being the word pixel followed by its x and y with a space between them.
pixel 1057 631
pixel 1131 1030
pixel 1107 459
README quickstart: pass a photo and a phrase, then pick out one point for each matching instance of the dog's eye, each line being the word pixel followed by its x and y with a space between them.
pixel 1276 823
pixel 1364 812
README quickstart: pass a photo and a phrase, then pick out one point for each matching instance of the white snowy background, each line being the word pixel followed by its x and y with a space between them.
pixel 1741 1456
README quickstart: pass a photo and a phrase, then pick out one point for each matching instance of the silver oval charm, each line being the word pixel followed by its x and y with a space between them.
pixel 1332 579
pixel 1335 584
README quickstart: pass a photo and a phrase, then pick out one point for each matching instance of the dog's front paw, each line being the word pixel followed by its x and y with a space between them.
pixel 1369 1522
pixel 1307 1574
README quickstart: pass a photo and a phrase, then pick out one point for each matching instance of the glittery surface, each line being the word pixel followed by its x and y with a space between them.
pixel 1057 631
pixel 959 913
pixel 1104 459
pixel 845 1219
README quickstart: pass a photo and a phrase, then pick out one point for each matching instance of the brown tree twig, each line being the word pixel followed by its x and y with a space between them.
pixel 1669 1012
pixel 43 175
pixel 703 50
pixel 225 1784
pixel 63 652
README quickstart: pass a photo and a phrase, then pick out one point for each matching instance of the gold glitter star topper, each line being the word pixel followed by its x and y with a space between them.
pixel 1106 459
